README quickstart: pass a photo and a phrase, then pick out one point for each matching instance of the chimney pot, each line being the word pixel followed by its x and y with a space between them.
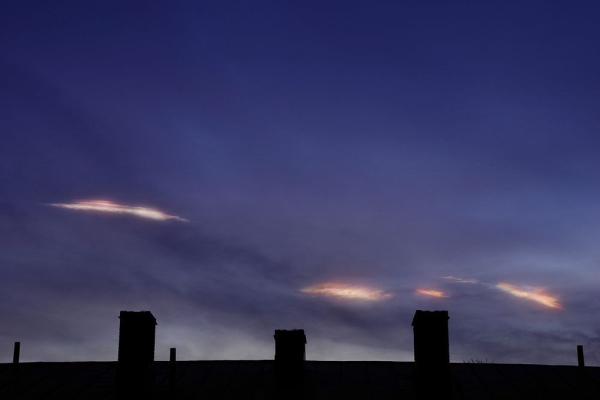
pixel 16 353
pixel 580 359
pixel 172 367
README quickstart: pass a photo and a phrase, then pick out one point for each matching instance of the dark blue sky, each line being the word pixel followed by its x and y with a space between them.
pixel 385 144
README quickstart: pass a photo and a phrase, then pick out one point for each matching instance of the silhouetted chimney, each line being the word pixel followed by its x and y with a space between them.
pixel 432 354
pixel 290 349
pixel 136 347
pixel 289 363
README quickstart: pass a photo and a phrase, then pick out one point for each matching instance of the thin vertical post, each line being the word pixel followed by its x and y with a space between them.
pixel 580 360
pixel 17 353
pixel 172 367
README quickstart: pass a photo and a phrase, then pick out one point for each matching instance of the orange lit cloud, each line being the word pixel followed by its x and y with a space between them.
pixel 460 280
pixel 347 291
pixel 110 207
pixel 534 294
pixel 432 293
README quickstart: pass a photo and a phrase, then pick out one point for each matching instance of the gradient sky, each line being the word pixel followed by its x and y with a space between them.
pixel 381 143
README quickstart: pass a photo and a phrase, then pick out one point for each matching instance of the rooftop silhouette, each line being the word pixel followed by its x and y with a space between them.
pixel 289 376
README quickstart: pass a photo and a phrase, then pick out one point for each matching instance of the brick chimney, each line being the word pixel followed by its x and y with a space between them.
pixel 432 354
pixel 136 347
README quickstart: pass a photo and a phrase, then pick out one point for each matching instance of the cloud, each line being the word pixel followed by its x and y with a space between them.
pixel 460 280
pixel 110 207
pixel 347 291
pixel 534 294
pixel 432 293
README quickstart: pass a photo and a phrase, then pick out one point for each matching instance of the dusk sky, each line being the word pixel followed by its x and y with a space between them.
pixel 237 167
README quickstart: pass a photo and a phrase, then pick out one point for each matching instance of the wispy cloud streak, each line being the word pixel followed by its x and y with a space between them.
pixel 347 291
pixel 431 293
pixel 534 294
pixel 460 280
pixel 110 207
